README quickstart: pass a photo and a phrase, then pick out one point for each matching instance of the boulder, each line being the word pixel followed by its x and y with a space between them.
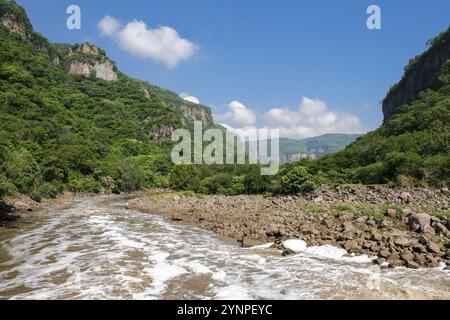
pixel 405 197
pixel 407 255
pixel 402 242
pixel 412 265
pixel 441 229
pixel 434 248
pixel 350 245
pixel 375 235
pixel 419 222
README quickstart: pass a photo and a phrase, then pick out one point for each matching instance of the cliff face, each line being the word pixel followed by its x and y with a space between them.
pixel 87 59
pixel 420 75
pixel 192 113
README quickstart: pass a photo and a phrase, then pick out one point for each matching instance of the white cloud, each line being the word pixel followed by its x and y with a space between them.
pixel 312 118
pixel 108 26
pixel 188 97
pixel 162 44
pixel 238 115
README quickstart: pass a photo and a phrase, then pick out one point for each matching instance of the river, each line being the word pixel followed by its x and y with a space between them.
pixel 98 249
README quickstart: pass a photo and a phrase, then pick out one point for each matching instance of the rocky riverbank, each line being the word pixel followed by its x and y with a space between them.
pixel 400 227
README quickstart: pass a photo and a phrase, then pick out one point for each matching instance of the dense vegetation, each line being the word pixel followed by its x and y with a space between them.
pixel 411 148
pixel 61 132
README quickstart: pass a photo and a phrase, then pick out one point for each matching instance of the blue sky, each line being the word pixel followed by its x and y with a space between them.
pixel 295 64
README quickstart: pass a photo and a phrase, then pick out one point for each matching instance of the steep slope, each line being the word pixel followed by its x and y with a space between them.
pixel 69 120
pixel 421 73
pixel 413 144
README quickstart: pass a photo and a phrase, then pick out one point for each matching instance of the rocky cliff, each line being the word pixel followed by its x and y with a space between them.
pixel 86 59
pixel 421 74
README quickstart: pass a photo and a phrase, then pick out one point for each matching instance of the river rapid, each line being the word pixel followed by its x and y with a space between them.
pixel 98 249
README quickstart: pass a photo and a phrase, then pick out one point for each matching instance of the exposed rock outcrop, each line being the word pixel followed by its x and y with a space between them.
pixel 192 113
pixel 84 48
pixel 420 75
pixel 87 59
pixel 102 70
pixel 14 25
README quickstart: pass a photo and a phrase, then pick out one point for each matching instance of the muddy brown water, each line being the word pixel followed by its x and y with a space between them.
pixel 98 249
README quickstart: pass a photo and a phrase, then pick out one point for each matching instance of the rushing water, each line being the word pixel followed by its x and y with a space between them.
pixel 97 249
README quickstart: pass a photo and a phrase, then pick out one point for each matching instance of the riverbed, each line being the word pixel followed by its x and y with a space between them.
pixel 97 249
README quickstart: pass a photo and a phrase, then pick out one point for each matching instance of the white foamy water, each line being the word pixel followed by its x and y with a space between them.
pixel 97 249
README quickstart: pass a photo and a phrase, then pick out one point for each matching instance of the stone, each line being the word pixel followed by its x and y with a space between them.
pixel 348 227
pixel 249 243
pixel 176 198
pixel 288 252
pixel 419 222
pixel 412 265
pixel 423 240
pixel 375 235
pixel 441 229
pixel 432 263
pixel 394 260
pixel 402 242
pixel 362 220
pixel 405 197
pixel 419 248
pixel 386 224
pixel 407 255
pixel 391 213
pixel 350 245
pixel 434 248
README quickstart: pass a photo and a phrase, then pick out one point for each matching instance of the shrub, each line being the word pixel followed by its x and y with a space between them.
pixel 298 179
pixel 185 177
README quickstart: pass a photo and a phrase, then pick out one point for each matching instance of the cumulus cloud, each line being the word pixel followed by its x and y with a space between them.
pixel 108 26
pixel 188 97
pixel 162 44
pixel 311 118
pixel 237 115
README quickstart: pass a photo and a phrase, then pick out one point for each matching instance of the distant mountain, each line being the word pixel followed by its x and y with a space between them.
pixel 293 150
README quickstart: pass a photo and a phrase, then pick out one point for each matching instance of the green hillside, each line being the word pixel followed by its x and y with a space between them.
pixel 412 147
pixel 78 132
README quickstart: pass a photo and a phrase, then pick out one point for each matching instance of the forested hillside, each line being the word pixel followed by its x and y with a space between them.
pixel 412 147
pixel 70 121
